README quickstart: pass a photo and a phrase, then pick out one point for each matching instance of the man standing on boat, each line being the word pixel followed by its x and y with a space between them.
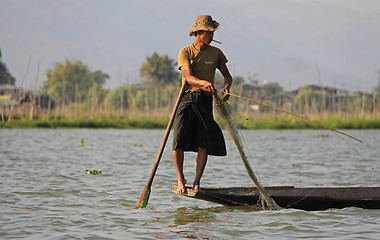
pixel 195 128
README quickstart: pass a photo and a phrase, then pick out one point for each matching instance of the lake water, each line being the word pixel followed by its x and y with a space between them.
pixel 45 193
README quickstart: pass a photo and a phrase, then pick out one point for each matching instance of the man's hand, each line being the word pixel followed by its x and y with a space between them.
pixel 226 91
pixel 227 81
pixel 188 74
pixel 208 87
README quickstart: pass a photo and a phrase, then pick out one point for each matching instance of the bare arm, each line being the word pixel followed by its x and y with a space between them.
pixel 227 81
pixel 190 79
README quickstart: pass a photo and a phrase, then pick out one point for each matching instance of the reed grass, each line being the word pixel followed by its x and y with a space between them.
pixel 152 111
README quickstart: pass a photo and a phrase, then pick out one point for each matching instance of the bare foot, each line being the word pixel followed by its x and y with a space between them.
pixel 196 187
pixel 181 189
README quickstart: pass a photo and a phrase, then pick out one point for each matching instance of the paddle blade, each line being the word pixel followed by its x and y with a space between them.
pixel 144 197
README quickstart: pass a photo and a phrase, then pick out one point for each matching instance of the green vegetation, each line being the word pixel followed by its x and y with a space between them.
pixel 159 69
pixel 72 82
pixel 73 96
pixel 138 123
pixel 273 122
pixel 267 122
pixel 93 172
pixel 5 76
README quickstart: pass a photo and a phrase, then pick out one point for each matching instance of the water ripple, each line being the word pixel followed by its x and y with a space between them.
pixel 45 193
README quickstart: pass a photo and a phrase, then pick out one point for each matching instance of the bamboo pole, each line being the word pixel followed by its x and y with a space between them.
pixel 144 197
pixel 34 94
pixel 363 97
pixel 15 99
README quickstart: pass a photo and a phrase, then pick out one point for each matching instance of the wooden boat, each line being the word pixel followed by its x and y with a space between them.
pixel 309 199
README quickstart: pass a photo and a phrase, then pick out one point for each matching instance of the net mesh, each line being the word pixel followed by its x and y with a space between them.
pixel 225 112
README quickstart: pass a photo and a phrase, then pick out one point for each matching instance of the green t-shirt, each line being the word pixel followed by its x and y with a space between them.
pixel 203 63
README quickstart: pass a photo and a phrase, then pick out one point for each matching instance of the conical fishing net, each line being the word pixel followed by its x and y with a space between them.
pixel 225 112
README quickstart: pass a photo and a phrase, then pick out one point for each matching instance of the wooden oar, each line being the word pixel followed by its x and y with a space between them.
pixel 143 201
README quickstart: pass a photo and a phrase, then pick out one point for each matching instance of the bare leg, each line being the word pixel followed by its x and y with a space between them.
pixel 178 160
pixel 200 167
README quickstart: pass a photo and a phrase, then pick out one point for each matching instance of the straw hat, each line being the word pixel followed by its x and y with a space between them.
pixel 204 22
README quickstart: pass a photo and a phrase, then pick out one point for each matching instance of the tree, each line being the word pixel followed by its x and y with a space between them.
pixel 5 76
pixel 71 81
pixel 159 69
pixel 270 89
pixel 117 98
pixel 238 81
pixel 303 99
pixel 314 101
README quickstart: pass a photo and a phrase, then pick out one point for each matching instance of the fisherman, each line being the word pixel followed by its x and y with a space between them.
pixel 194 126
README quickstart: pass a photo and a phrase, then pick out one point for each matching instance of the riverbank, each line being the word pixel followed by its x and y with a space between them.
pixel 87 123
pixel 268 122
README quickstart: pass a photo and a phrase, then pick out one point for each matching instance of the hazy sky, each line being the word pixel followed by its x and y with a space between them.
pixel 360 6
pixel 293 42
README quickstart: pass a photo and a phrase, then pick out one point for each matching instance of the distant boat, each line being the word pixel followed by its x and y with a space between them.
pixel 309 199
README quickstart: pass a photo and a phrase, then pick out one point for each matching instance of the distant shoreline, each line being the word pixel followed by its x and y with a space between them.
pixel 149 123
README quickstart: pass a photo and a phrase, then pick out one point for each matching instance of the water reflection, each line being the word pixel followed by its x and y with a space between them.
pixel 194 214
pixel 186 215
